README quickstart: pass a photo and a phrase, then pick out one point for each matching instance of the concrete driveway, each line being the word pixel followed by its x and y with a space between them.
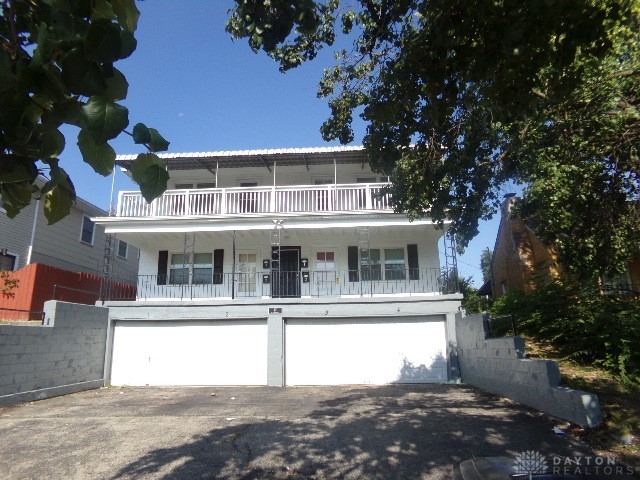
pixel 390 432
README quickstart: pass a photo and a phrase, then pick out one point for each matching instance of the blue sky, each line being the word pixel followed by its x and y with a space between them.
pixel 205 92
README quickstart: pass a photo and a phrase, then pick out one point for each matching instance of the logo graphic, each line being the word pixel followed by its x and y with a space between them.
pixel 530 463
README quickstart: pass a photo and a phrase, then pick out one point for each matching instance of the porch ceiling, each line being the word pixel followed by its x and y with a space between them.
pixel 289 236
pixel 255 158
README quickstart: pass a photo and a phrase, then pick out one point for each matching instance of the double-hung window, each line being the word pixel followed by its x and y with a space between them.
pixel 183 272
pixel 370 264
pixel 394 266
pixel 88 230
pixel 202 269
pixel 123 249
pixel 179 269
pixel 383 264
pixel 7 262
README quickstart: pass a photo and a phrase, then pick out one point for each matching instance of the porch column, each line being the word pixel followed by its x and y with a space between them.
pixel 453 364
pixel 272 200
pixel 275 349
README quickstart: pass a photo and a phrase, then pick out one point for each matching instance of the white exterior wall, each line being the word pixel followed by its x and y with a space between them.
pixel 310 242
pixel 286 175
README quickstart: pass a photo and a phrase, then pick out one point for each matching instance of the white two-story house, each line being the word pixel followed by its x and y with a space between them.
pixel 279 267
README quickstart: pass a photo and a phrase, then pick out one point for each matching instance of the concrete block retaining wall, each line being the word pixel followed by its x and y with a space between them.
pixel 499 366
pixel 66 354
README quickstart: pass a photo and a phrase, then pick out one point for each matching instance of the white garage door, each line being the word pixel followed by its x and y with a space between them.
pixel 190 353
pixel 367 351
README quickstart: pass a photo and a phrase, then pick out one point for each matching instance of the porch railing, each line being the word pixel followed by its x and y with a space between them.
pixel 257 200
pixel 274 284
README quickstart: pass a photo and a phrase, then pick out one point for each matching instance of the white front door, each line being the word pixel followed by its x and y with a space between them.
pixel 326 281
pixel 371 350
pixel 247 276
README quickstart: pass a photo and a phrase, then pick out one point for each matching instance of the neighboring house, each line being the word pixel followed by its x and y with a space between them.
pixel 74 243
pixel 521 261
pixel 64 261
pixel 279 267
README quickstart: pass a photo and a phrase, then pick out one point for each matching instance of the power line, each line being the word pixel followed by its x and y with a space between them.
pixel 469 265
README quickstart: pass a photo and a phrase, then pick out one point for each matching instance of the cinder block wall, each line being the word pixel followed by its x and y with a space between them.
pixel 499 366
pixel 66 354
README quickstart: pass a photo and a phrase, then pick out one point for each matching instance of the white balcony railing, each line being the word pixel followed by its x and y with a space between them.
pixel 257 200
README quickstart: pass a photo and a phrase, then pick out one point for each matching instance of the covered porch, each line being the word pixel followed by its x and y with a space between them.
pixel 289 260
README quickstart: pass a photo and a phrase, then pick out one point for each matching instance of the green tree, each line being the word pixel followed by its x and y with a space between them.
pixel 57 67
pixel 462 96
pixel 454 283
pixel 485 264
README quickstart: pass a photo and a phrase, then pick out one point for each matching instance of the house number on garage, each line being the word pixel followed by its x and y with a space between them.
pixel 275 310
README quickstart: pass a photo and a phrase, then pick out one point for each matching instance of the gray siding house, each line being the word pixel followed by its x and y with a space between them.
pixel 75 243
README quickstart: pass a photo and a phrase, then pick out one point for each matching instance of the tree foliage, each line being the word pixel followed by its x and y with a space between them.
pixel 57 67
pixel 452 282
pixel 486 257
pixel 584 325
pixel 462 96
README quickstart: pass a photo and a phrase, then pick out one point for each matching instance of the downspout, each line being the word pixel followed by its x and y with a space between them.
pixel 217 173
pixel 33 232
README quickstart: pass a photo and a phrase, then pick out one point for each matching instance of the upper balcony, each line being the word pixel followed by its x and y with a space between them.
pixel 294 199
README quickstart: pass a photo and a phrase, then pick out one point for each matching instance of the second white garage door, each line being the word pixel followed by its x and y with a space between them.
pixel 365 351
pixel 190 353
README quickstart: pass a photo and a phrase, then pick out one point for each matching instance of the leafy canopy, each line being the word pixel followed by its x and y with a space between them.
pixel 57 67
pixel 463 96
pixel 486 257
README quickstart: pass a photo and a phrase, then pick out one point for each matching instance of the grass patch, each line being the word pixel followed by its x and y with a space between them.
pixel 620 404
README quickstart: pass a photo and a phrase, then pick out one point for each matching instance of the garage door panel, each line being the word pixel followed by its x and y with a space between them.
pixel 366 351
pixel 190 353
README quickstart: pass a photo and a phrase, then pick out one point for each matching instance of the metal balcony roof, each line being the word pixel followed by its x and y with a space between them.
pixel 255 158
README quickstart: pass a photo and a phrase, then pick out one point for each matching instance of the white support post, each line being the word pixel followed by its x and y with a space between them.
pixel 223 201
pixel 187 202
pixel 367 198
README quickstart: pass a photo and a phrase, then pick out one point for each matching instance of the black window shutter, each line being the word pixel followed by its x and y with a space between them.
pixel 352 262
pixel 412 257
pixel 163 260
pixel 218 259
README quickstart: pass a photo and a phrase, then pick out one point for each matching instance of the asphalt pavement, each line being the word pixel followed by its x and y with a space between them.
pixel 357 432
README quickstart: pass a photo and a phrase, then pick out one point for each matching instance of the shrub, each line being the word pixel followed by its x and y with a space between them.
pixel 584 325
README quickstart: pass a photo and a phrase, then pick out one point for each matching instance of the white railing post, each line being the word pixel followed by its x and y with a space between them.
pixel 120 206
pixel 187 202
pixel 367 197
pixel 262 200
pixel 223 201
pixel 272 200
